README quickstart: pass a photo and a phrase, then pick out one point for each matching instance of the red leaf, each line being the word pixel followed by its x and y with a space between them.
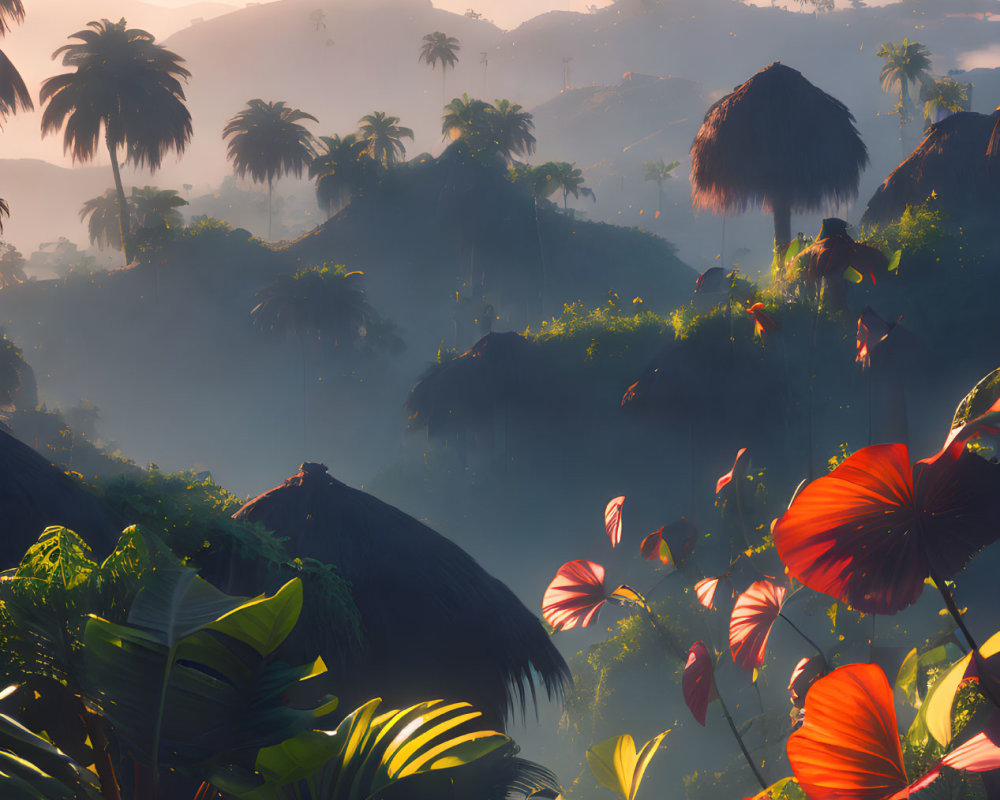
pixel 868 532
pixel 698 681
pixel 848 745
pixel 705 590
pixel 763 323
pixel 613 520
pixel 806 672
pixel 575 595
pixel 750 624
pixel 671 543
pixel 724 480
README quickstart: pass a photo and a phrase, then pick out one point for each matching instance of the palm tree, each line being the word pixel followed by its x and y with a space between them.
pixel 944 97
pixel 383 137
pixel 472 121
pixel 266 141
pixel 512 127
pixel 905 63
pixel 440 48
pixel 126 85
pixel 743 158
pixel 104 226
pixel 659 171
pixel 342 170
pixel 14 94
pixel 558 175
pixel 157 208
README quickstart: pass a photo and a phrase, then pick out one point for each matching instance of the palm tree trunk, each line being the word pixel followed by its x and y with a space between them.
pixel 269 186
pixel 444 93
pixel 123 212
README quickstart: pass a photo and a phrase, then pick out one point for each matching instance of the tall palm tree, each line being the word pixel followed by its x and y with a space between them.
pixel 512 129
pixel 944 97
pixel 742 158
pixel 384 137
pixel 557 176
pixel 342 170
pixel 659 171
pixel 440 48
pixel 266 141
pixel 125 85
pixel 904 64
pixel 14 94
pixel 149 208
pixel 472 121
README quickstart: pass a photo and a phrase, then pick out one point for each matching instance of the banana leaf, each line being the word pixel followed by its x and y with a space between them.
pixel 33 769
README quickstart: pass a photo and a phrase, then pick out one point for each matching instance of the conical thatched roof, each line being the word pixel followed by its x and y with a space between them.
pixel 34 495
pixel 776 138
pixel 435 623
pixel 952 163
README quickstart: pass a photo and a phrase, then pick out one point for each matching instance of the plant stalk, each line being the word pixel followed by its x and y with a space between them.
pixel 102 758
pixel 798 630
pixel 666 638
pixel 739 739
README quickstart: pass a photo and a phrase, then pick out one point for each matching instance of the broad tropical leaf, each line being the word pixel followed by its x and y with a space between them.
pixel 937 706
pixel 698 681
pixel 576 595
pixel 750 624
pixel 848 745
pixel 368 753
pixel 191 680
pixel 617 766
pixel 613 520
pixel 705 590
pixel 869 532
pixel 725 480
pixel 32 769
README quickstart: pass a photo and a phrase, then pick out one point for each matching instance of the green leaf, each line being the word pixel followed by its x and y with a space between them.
pixel 264 623
pixel 31 767
pixel 937 707
pixel 978 401
pixel 616 765
pixel 894 261
pixel 853 275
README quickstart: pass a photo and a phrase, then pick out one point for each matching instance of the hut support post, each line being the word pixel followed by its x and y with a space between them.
pixel 782 229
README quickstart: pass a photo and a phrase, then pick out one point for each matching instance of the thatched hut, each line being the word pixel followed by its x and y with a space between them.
pixel 435 623
pixel 34 494
pixel 779 143
pixel 952 164
pixel 473 396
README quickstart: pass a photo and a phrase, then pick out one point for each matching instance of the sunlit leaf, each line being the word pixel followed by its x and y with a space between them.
pixel 848 746
pixel 868 532
pixel 750 624
pixel 805 674
pixel 724 480
pixel 576 594
pixel 853 275
pixel 894 261
pixel 698 681
pixel 937 707
pixel 705 591
pixel 613 520
pixel 617 766
pixel 763 324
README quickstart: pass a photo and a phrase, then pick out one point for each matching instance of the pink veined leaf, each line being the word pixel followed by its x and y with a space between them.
pixel 805 674
pixel 698 681
pixel 705 590
pixel 672 543
pixel 577 592
pixel 726 479
pixel 613 520
pixel 750 624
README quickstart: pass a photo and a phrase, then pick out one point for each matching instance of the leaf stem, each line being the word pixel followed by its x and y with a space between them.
pixel 798 630
pixel 739 739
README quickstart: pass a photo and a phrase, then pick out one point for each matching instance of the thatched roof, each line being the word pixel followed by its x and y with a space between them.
pixel 776 138
pixel 951 162
pixel 500 371
pixel 34 494
pixel 435 623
